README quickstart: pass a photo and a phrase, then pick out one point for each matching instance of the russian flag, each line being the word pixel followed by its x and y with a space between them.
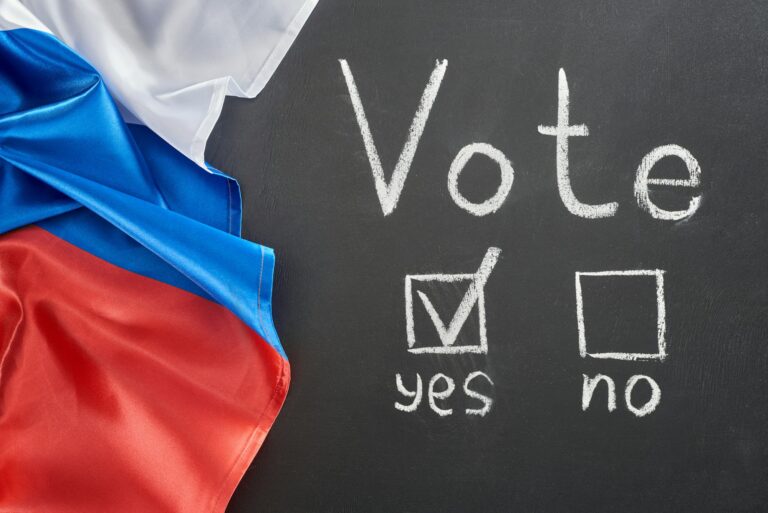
pixel 140 370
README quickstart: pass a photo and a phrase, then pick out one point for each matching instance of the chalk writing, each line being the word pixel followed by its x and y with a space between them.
pixel 589 386
pixel 441 386
pixel 407 393
pixel 487 402
pixel 661 317
pixel 434 395
pixel 389 193
pixel 562 132
pixel 652 403
pixel 440 389
pixel 493 203
pixel 642 181
pixel 448 334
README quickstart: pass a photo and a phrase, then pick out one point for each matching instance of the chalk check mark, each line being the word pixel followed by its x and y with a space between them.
pixel 448 334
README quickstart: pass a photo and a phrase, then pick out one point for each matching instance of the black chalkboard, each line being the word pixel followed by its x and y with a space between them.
pixel 641 75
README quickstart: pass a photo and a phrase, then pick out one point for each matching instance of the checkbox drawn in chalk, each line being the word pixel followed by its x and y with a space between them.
pixel 654 279
pixel 448 332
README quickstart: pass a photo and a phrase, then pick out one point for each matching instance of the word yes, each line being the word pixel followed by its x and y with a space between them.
pixel 434 395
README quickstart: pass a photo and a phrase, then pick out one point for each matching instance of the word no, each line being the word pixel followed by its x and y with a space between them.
pixel 590 384
pixel 389 191
pixel 434 395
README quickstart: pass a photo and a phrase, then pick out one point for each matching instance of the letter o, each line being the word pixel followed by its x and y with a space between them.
pixel 652 403
pixel 493 203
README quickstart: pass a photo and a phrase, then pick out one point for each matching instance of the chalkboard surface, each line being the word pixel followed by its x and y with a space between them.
pixel 506 274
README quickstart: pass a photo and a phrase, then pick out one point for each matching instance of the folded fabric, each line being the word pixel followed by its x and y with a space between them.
pixel 170 64
pixel 139 366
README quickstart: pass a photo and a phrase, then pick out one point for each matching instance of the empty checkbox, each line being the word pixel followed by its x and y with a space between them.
pixel 621 315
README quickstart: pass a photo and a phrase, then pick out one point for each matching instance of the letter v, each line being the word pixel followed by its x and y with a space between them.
pixel 389 193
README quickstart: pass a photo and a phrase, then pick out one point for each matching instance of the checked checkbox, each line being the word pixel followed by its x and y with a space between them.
pixel 448 333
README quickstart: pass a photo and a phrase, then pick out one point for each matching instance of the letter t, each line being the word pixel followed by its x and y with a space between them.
pixel 562 132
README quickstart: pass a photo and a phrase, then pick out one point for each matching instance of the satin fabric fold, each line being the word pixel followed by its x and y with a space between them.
pixel 170 64
pixel 139 366
pixel 60 127
pixel 119 393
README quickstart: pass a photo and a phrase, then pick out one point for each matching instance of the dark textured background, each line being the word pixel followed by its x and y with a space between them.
pixel 641 74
